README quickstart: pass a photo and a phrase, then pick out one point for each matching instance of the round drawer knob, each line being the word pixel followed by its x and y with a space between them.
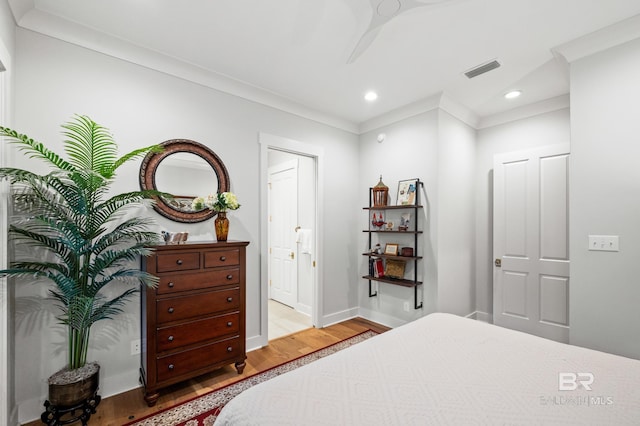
pixel 229 299
pixel 170 310
pixel 171 366
pixel 223 258
pixel 229 349
pixel 229 277
pixel 229 324
pixel 170 338
pixel 171 285
pixel 179 261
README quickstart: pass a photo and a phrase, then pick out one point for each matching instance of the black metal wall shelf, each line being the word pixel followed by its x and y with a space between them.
pixel 411 283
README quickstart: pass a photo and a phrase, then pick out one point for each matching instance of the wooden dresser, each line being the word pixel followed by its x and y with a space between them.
pixel 194 321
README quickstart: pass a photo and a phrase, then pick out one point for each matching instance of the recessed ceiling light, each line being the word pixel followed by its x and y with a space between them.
pixel 371 96
pixel 513 94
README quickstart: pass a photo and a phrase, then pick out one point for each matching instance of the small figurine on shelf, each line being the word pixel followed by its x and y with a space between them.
pixel 378 220
pixel 377 249
pixel 404 221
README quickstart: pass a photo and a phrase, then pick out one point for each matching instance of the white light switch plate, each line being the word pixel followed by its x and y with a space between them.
pixel 604 242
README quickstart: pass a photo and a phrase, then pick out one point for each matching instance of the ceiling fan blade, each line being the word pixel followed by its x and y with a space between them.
pixel 383 12
pixel 365 41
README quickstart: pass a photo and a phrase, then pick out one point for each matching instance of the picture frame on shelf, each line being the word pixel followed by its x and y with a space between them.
pixel 394 269
pixel 407 192
pixel 391 249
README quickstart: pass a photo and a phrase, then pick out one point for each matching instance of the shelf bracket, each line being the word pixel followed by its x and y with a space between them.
pixel 370 294
pixel 415 298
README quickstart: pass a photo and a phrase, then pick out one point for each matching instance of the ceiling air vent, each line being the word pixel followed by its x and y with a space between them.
pixel 481 69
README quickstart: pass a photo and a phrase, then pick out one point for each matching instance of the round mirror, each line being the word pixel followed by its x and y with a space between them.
pixel 186 169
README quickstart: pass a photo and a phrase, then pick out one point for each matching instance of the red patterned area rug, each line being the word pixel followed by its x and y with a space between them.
pixel 203 410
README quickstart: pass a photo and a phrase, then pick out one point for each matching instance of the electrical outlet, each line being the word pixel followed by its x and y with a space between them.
pixel 135 347
pixel 604 243
pixel 406 306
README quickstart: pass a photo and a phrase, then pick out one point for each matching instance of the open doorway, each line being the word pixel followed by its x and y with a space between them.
pixel 280 155
pixel 291 227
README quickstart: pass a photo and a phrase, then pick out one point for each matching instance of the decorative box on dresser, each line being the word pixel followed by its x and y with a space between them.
pixel 194 321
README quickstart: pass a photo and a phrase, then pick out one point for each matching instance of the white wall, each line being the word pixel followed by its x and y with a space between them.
pixel 540 130
pixel 439 150
pixel 140 106
pixel 605 199
pixel 410 150
pixel 456 167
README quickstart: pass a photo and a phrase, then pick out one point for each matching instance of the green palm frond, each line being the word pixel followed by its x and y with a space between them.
pixel 136 154
pixel 113 265
pixel 112 307
pixel 104 212
pixel 64 252
pixel 35 149
pixel 131 230
pixel 89 145
pixel 135 276
pixel 24 270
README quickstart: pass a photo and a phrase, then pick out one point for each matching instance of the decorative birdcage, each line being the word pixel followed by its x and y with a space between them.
pixel 380 194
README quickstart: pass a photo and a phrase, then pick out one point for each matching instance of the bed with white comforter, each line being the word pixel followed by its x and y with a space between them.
pixel 447 370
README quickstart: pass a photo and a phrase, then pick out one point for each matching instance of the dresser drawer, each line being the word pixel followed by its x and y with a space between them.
pixel 183 307
pixel 185 362
pixel 197 331
pixel 183 282
pixel 214 259
pixel 171 262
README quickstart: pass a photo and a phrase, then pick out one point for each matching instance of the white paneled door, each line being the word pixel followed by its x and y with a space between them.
pixel 531 241
pixel 283 218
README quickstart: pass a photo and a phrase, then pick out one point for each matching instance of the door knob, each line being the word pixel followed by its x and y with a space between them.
pixel 498 263
pixel 291 255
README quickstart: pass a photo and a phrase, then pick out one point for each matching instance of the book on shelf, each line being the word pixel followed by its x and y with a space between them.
pixel 378 268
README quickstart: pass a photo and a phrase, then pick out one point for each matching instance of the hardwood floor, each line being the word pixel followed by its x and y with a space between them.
pixel 129 406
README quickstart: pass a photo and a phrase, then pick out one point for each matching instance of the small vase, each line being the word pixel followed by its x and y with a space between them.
pixel 222 226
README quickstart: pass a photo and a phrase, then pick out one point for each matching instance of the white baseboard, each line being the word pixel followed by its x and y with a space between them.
pixel 337 317
pixel 381 318
pixel 256 342
pixel 305 309
pixel 481 316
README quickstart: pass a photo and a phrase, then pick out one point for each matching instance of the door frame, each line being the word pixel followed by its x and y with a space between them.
pixel 267 142
pixel 8 409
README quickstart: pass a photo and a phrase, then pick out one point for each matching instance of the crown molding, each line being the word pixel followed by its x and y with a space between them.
pixel 598 41
pixel 459 111
pixel 525 111
pixel 438 101
pixel 402 113
pixel 20 8
pixel 79 35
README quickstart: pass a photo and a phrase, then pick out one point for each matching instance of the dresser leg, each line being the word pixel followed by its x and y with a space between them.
pixel 240 366
pixel 151 398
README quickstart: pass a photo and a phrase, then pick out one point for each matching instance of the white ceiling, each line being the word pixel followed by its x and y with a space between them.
pixel 298 49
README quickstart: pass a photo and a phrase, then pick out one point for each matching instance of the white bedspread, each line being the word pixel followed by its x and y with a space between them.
pixel 447 370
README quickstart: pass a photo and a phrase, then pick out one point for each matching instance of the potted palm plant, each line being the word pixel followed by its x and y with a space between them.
pixel 70 215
